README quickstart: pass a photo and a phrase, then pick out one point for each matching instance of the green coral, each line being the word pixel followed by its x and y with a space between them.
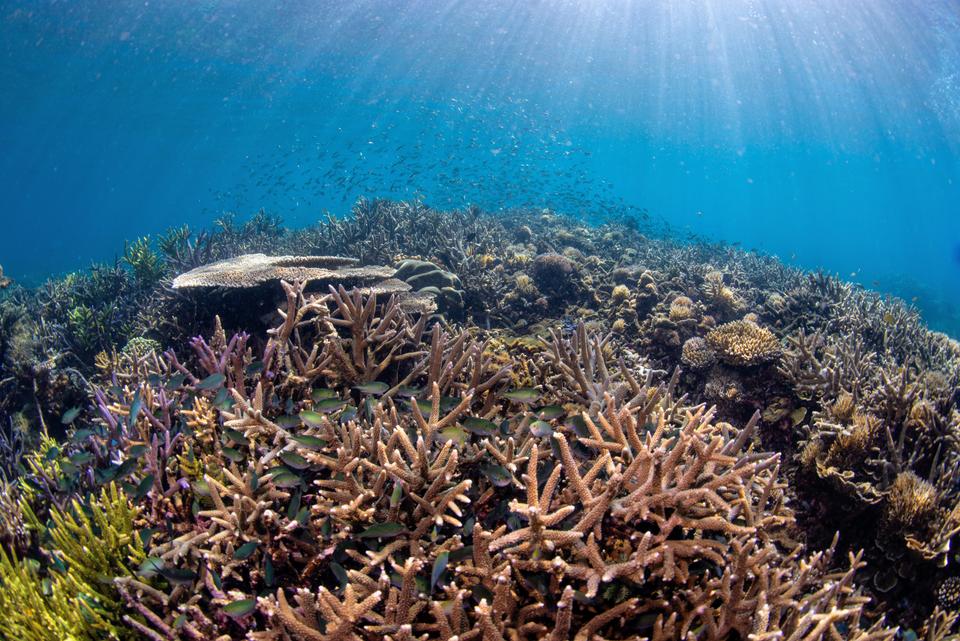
pixel 90 545
pixel 141 346
pixel 174 240
pixel 83 324
pixel 37 609
pixel 146 264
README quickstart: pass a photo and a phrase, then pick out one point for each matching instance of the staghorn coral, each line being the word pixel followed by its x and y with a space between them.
pixel 35 611
pixel 744 344
pixel 146 264
pixel 869 392
pixel 88 546
pixel 386 461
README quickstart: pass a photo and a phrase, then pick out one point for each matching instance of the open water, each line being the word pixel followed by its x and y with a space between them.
pixel 826 132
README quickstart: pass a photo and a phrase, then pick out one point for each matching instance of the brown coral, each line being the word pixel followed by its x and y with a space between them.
pixel 912 502
pixel 744 343
pixel 682 309
pixel 697 354
pixel 647 295
pixel 721 297
pixel 553 273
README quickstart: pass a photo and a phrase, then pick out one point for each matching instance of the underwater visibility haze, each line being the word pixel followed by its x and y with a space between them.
pixel 824 132
pixel 503 320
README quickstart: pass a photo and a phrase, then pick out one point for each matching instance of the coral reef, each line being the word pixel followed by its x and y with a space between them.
pixel 743 343
pixel 601 435
pixel 403 479
pixel 251 270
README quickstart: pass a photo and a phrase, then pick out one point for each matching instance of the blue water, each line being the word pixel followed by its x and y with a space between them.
pixel 824 131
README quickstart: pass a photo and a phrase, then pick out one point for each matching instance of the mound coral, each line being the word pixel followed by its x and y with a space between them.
pixel 743 343
pixel 424 276
pixel 697 354
pixel 554 274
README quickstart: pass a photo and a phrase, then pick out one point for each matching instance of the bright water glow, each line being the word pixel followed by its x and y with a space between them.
pixel 825 131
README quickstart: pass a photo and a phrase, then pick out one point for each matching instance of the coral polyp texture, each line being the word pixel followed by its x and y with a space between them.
pixel 743 343
pixel 591 435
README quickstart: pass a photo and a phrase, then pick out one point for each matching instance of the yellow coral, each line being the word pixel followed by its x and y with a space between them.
pixel 681 309
pixel 94 543
pixel 851 447
pixel 519 260
pixel 33 611
pixel 620 293
pixel 525 284
pixel 844 407
pixel 912 501
pixel 744 343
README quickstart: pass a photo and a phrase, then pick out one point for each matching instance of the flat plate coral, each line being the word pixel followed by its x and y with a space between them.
pixel 250 270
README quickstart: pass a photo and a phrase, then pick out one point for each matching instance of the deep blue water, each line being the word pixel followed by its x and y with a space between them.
pixel 824 131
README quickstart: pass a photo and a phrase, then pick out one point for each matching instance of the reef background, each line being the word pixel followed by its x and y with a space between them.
pixel 824 132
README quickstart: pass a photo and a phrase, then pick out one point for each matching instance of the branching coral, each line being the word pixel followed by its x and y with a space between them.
pixel 410 474
pixel 88 546
pixel 362 470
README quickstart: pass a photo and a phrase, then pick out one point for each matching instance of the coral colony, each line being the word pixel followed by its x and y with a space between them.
pixel 410 424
